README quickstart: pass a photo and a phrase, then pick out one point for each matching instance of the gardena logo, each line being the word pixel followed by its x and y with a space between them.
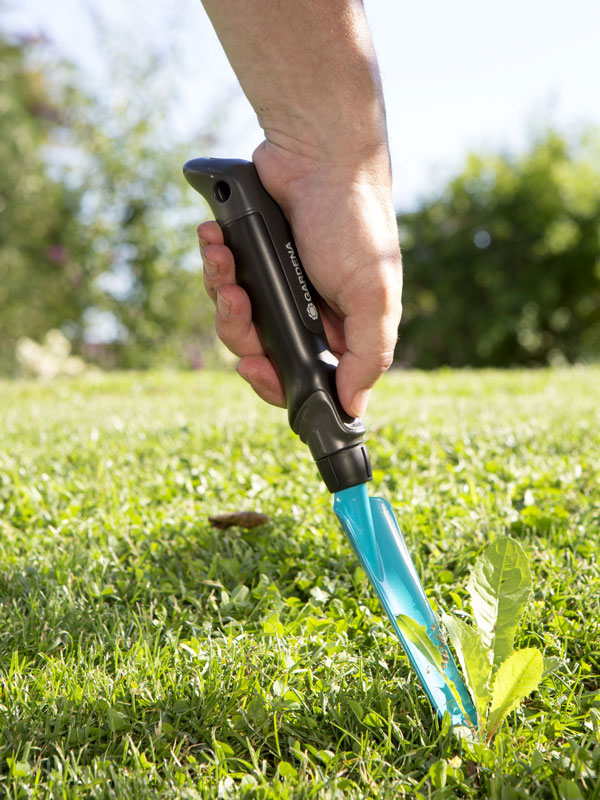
pixel 300 276
pixel 311 310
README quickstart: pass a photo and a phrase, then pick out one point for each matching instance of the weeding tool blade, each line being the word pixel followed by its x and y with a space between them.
pixel 371 526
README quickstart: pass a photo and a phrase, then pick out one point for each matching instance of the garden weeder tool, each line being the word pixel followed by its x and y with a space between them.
pixel 285 313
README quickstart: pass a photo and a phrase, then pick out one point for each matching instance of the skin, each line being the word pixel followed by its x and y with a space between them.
pixel 310 72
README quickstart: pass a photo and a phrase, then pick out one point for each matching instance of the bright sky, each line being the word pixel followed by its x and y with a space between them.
pixel 471 74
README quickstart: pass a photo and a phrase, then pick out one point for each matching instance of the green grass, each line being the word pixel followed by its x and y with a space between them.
pixel 145 654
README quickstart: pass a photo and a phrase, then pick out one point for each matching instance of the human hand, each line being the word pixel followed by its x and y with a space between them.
pixel 345 231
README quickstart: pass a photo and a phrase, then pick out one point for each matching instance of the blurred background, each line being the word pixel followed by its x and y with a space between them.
pixel 494 121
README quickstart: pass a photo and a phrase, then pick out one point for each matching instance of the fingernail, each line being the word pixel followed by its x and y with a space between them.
pixel 360 402
pixel 211 269
pixel 202 241
pixel 223 306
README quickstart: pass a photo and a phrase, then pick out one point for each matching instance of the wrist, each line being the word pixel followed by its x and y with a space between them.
pixel 287 163
pixel 340 137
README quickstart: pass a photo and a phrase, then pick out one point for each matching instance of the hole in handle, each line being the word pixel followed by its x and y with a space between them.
pixel 222 191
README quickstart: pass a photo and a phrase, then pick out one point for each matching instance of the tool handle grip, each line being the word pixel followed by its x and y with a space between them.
pixel 285 312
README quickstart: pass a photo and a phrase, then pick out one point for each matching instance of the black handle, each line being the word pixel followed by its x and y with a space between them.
pixel 285 313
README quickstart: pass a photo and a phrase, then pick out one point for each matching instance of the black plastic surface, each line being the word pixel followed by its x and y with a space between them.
pixel 284 308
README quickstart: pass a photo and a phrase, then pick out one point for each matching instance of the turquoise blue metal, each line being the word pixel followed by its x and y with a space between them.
pixel 373 531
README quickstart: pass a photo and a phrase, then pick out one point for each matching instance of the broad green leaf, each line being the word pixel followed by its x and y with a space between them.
pixel 417 635
pixel 517 677
pixel 499 586
pixel 474 661
pixel 438 772
pixel 356 708
pixel 326 756
pixel 18 769
pixel 223 749
pixel 272 625
pixel 569 790
pixel 374 719
pixel 286 770
pixel 144 763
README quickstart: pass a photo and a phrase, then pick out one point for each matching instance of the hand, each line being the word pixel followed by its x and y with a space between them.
pixel 345 230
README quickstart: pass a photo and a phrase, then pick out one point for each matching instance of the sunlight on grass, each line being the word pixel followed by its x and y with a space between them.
pixel 144 653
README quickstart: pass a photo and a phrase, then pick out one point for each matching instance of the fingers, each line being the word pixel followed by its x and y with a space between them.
pixel 260 374
pixel 233 317
pixel 233 322
pixel 209 233
pixel 364 340
pixel 217 260
pixel 234 326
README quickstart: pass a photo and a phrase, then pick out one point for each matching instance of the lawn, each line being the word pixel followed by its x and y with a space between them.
pixel 144 653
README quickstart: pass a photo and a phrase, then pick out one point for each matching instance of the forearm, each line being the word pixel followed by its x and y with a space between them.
pixel 309 70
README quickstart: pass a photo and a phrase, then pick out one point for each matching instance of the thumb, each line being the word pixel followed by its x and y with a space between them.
pixel 371 338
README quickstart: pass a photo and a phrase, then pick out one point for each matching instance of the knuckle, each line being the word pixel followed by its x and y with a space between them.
pixel 383 361
pixel 384 294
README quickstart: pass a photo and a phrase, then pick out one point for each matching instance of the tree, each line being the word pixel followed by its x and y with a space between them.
pixel 96 221
pixel 142 217
pixel 503 268
pixel 44 279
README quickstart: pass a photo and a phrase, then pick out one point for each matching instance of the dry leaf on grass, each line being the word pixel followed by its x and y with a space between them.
pixel 243 519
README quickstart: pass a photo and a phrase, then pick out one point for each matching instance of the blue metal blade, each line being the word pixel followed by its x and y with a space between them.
pixel 374 534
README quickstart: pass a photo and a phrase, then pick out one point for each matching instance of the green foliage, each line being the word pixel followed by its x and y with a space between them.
pixel 499 587
pixel 96 222
pixel 502 268
pixel 45 279
pixel 498 677
pixel 517 676
pixel 474 661
pixel 142 218
pixel 145 654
